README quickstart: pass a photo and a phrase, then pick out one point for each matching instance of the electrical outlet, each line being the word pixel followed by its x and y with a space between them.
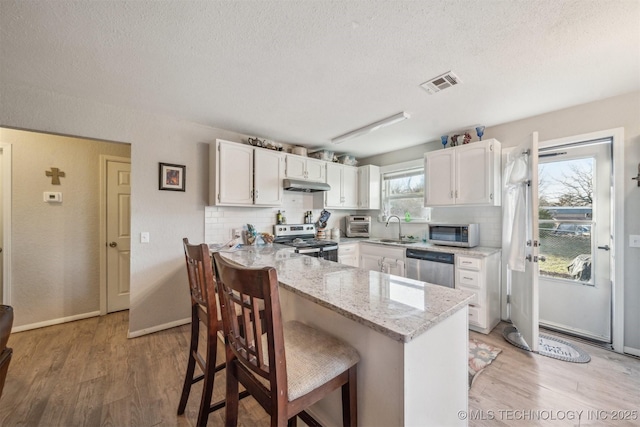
pixel 236 233
pixel 634 240
pixel 144 237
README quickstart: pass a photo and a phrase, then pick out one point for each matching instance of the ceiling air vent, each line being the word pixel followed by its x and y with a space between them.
pixel 441 82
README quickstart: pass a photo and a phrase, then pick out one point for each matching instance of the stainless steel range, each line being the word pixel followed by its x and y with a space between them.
pixel 302 237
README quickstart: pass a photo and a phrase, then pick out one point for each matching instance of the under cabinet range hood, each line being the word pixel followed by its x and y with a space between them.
pixel 305 186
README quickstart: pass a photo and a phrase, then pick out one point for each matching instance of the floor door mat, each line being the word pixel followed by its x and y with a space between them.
pixel 480 356
pixel 548 346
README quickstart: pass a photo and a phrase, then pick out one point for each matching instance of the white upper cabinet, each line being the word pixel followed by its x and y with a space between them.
pixel 369 187
pixel 241 175
pixel 268 173
pixel 464 175
pixel 343 180
pixel 299 167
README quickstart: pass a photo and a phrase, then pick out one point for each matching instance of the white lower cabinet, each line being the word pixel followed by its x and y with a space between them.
pixel 348 254
pixel 481 276
pixel 382 258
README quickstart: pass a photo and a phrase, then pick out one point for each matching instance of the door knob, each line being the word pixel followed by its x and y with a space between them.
pixel 113 244
pixel 605 247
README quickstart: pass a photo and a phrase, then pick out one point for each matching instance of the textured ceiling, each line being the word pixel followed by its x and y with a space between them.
pixel 304 72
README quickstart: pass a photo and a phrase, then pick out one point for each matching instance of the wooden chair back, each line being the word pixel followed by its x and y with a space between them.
pixel 247 295
pixel 202 281
pixel 204 309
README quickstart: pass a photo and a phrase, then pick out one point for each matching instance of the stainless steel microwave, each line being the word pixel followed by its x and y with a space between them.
pixel 463 235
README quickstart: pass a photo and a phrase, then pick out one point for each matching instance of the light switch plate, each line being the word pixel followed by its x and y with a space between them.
pixel 144 237
pixel 634 240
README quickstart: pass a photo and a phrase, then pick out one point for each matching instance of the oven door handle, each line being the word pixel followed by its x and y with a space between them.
pixel 308 250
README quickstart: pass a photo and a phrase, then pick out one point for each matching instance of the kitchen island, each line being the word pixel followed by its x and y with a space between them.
pixel 412 337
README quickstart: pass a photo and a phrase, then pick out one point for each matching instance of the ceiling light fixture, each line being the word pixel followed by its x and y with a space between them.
pixel 371 128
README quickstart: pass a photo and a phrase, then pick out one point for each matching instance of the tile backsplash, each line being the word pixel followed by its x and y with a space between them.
pixel 220 221
pixel 489 219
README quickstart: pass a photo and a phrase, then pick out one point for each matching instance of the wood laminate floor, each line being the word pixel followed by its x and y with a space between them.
pixel 87 373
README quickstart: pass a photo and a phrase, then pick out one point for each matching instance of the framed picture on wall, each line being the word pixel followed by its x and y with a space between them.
pixel 172 177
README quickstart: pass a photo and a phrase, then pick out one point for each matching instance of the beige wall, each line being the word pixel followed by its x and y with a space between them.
pixel 159 291
pixel 158 282
pixel 55 246
pixel 620 111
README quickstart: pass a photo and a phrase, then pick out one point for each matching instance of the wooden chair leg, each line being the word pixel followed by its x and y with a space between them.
pixel 350 400
pixel 191 364
pixel 231 407
pixel 209 379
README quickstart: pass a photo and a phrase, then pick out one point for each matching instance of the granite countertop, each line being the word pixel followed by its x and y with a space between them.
pixel 481 251
pixel 395 306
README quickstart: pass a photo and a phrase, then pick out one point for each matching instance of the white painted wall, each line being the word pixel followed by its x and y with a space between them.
pixel 55 246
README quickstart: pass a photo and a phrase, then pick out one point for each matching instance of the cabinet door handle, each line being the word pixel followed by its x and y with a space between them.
pixel 451 194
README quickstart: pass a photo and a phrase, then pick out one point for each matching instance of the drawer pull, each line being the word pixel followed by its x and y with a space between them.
pixel 467 278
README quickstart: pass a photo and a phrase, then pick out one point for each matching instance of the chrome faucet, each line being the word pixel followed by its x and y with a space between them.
pixel 399 226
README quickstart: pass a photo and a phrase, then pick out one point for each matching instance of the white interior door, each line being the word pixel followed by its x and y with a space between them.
pixel 118 235
pixel 575 198
pixel 5 223
pixel 520 239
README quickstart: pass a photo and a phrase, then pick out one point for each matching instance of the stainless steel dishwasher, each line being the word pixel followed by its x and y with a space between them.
pixel 430 266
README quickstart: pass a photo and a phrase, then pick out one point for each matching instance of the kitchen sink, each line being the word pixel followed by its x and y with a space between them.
pixel 399 242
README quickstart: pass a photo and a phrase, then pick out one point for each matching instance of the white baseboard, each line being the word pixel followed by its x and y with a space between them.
pixel 55 321
pixel 157 328
pixel 632 351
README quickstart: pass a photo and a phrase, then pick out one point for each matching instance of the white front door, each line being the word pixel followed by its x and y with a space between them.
pixel 520 239
pixel 118 234
pixel 575 223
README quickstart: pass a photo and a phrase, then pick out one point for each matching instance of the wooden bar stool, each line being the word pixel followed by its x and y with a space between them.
pixel 286 368
pixel 6 322
pixel 204 309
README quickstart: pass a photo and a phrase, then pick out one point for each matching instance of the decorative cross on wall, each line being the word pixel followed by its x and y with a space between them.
pixel 55 175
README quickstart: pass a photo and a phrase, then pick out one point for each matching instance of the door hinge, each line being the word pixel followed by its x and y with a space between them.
pixel 491 147
pixel 508 298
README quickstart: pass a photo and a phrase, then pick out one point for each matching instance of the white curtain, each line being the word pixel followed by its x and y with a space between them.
pixel 514 209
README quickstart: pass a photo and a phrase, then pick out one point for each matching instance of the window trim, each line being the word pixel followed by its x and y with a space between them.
pixel 399 168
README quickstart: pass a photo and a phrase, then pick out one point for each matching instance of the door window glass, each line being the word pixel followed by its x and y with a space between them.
pixel 566 218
